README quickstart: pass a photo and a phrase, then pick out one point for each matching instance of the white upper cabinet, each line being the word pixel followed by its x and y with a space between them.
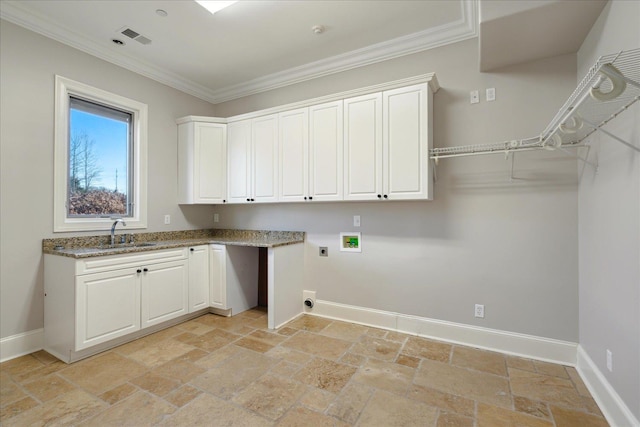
pixel 294 155
pixel 406 140
pixel 326 151
pixel 202 162
pixel 387 141
pixel 252 147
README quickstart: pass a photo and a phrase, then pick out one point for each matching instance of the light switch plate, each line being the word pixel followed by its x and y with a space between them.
pixel 356 220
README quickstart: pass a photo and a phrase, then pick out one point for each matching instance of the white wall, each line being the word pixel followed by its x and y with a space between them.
pixel 609 216
pixel 28 64
pixel 510 245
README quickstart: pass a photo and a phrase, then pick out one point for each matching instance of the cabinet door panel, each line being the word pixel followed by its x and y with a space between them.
pixel 294 155
pixel 239 161
pixel 165 292
pixel 210 163
pixel 107 306
pixel 265 158
pixel 198 278
pixel 218 278
pixel 326 144
pixel 363 147
pixel 405 143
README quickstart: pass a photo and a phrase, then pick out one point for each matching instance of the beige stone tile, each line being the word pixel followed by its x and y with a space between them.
pixel 160 353
pixel 234 374
pixel 316 399
pixel 520 363
pixel 454 420
pixel 253 344
pixel 239 324
pixel 289 355
pixel 195 327
pixel 577 382
pixel 16 407
pixel 410 361
pixel 386 409
pixel 155 384
pixel 261 323
pixel 568 418
pixel 396 336
pixel 254 313
pixel 344 331
pixel 375 332
pixel 207 410
pixel 44 357
pixel 193 356
pixel 325 374
pixel 183 395
pixel 149 340
pixel 118 393
pixel 218 356
pixel 9 392
pixel 446 402
pixel 480 360
pixel 551 369
pixel 69 409
pixel 20 365
pixel 387 376
pixel 270 396
pixel 309 323
pixel 493 416
pixel 376 347
pixel 287 331
pixel 350 402
pixel 591 406
pixel 209 341
pixel 318 345
pixel 267 337
pixel 48 387
pixel 427 349
pixel 141 409
pixel 353 359
pixel 40 372
pixel 463 382
pixel 285 369
pixel 103 373
pixel 304 417
pixel 180 370
pixel 545 388
pixel 531 407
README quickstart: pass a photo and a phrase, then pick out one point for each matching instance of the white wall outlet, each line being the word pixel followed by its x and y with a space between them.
pixel 479 311
pixel 216 217
pixel 167 219
pixel 609 360
pixel 474 97
pixel 308 300
pixel 491 94
pixel 356 220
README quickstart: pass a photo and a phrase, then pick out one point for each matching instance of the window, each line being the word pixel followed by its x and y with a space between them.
pixel 100 158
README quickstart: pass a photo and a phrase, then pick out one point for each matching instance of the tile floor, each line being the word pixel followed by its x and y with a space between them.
pixel 218 371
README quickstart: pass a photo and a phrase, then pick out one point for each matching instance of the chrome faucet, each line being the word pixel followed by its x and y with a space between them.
pixel 113 229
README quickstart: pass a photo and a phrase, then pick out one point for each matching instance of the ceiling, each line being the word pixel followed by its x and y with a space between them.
pixel 258 45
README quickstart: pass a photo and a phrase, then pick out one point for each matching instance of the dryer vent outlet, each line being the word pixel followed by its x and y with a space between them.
pixel 308 302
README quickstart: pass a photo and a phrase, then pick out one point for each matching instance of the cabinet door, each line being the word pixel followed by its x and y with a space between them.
pixel 406 143
pixel 210 163
pixel 363 147
pixel 239 161
pixel 217 276
pixel 264 132
pixel 164 292
pixel 198 278
pixel 294 155
pixel 326 145
pixel 107 306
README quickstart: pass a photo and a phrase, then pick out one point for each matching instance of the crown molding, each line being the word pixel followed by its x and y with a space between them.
pixel 462 29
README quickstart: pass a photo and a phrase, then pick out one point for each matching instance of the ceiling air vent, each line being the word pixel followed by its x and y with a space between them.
pixel 134 35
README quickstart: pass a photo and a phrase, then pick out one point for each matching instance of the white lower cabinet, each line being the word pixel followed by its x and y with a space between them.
pixel 164 292
pixel 198 278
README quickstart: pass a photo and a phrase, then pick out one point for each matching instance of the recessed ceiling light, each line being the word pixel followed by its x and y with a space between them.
pixel 214 6
pixel 161 12
pixel 118 42
pixel 318 29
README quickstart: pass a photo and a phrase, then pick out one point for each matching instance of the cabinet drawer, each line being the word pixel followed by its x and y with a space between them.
pixel 106 263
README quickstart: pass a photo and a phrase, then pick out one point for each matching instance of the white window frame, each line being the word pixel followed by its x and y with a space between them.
pixel 64 89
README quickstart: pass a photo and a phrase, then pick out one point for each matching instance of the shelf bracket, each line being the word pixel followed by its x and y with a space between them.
pixel 599 128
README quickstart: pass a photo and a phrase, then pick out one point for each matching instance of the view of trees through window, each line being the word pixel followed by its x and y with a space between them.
pixel 99 160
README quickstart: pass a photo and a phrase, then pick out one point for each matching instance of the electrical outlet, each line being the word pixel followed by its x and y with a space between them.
pixel 167 219
pixel 491 94
pixel 324 251
pixel 356 220
pixel 474 97
pixel 609 360
pixel 479 311
pixel 216 217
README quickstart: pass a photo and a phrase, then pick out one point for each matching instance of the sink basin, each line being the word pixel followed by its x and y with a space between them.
pixel 143 244
pixel 128 245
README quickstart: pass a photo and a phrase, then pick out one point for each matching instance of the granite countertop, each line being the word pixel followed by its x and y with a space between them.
pixel 95 246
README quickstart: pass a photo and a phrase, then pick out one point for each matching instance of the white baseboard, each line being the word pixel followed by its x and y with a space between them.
pixel 612 406
pixel 21 344
pixel 529 346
